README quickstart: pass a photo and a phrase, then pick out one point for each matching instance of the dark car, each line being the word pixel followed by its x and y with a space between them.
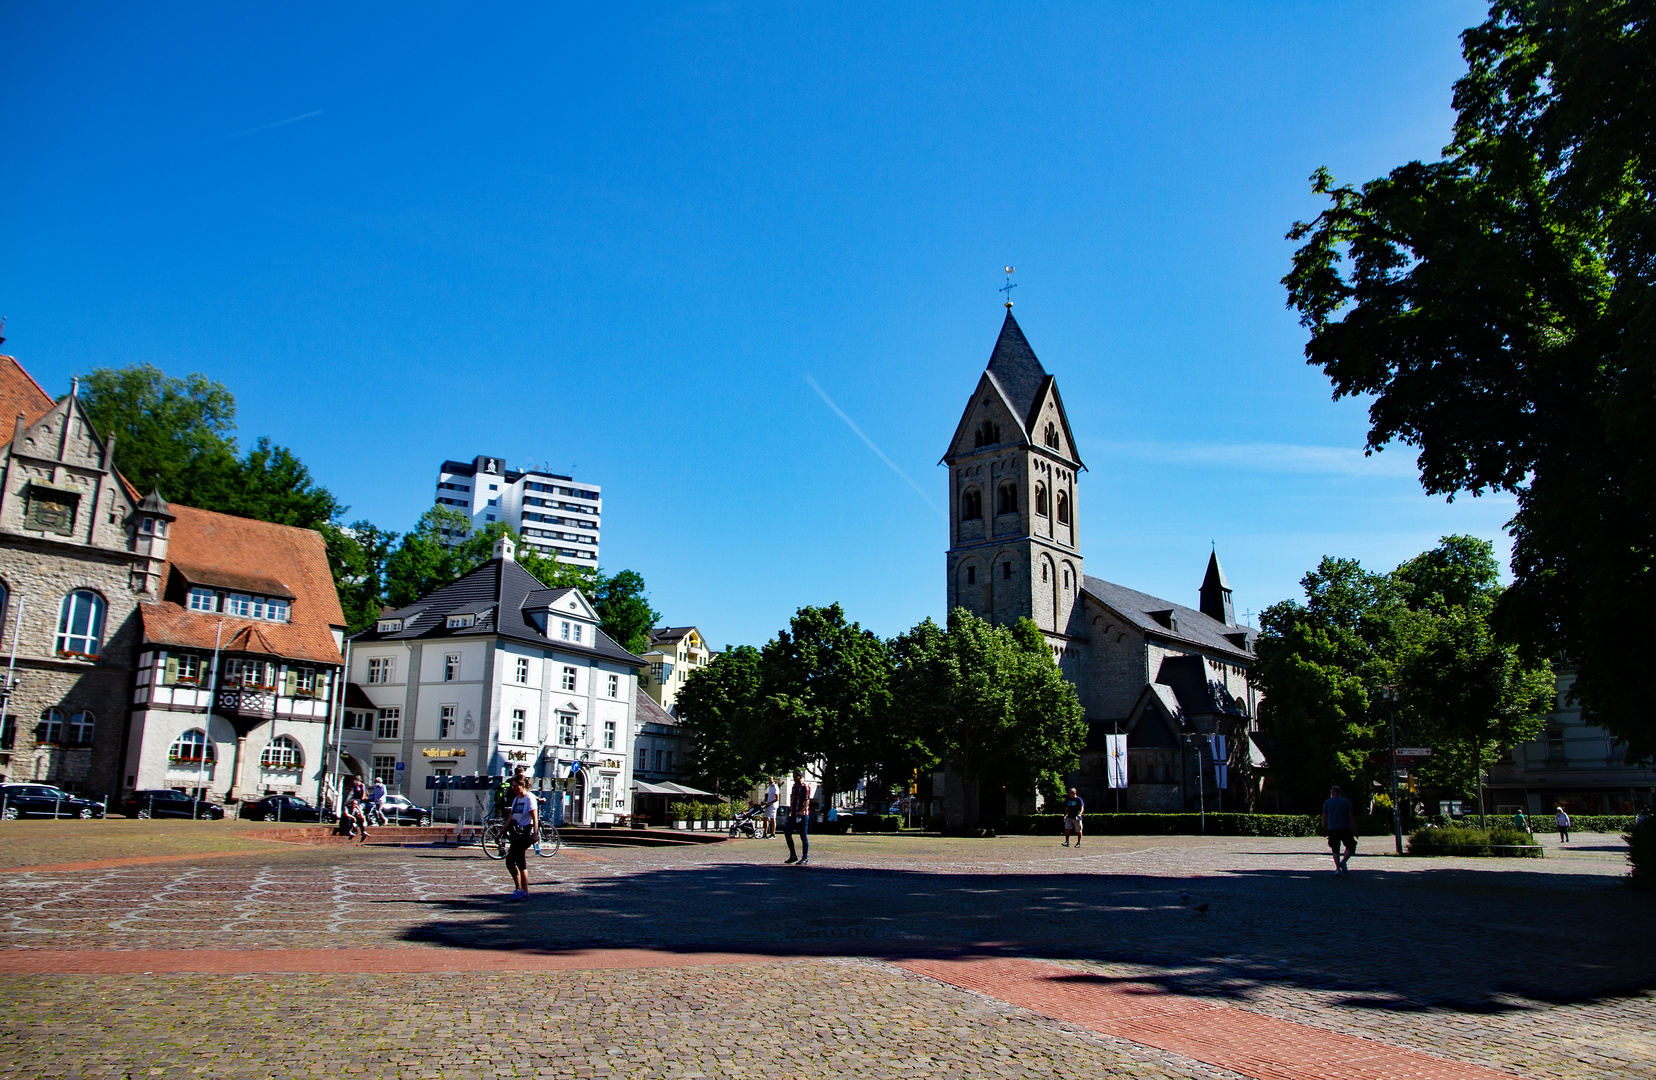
pixel 164 802
pixel 44 800
pixel 399 811
pixel 281 808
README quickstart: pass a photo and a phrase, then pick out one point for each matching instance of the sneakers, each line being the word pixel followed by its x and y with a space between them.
pixel 1066 841
pixel 806 861
pixel 790 859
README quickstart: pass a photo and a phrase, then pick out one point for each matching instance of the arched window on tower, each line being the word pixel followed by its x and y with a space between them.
pixel 1007 502
pixel 971 505
pixel 1063 508
pixel 1052 435
pixel 988 434
pixel 80 624
pixel 1041 499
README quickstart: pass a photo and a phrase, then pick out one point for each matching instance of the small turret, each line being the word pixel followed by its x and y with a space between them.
pixel 1216 593
pixel 154 520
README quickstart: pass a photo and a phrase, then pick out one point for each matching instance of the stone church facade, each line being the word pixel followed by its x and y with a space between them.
pixel 1165 674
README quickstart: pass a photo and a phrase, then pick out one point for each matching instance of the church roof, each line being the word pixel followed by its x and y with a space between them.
pixel 1164 618
pixel 1014 366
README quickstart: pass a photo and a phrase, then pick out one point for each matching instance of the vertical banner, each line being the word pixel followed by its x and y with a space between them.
pixel 1115 758
pixel 1221 770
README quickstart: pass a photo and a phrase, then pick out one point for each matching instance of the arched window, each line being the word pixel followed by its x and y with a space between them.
pixel 5 608
pixel 971 575
pixel 1008 499
pixel 192 747
pixel 1043 570
pixel 282 753
pixel 1041 499
pixel 82 726
pixel 50 730
pixel 988 434
pixel 1052 435
pixel 1063 508
pixel 81 624
pixel 971 505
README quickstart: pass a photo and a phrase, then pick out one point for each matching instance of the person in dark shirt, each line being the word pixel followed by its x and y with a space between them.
pixel 799 819
pixel 1337 825
pixel 1074 807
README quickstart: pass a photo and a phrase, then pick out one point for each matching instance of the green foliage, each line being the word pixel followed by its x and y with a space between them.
pixel 826 690
pixel 1498 308
pixel 1425 630
pixel 993 702
pixel 1641 854
pixel 358 554
pixel 179 435
pixel 718 706
pixel 1502 840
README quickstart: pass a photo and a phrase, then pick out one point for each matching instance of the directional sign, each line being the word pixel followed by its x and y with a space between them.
pixel 1414 751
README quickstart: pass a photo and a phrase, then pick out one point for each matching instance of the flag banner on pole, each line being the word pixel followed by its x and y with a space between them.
pixel 1115 757
pixel 1221 770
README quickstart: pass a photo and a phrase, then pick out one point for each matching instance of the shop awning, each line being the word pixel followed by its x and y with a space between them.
pixel 650 789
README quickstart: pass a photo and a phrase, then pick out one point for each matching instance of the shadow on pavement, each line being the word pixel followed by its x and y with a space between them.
pixel 1452 938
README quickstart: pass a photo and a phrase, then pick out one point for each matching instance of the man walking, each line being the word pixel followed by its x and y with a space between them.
pixel 1074 807
pixel 772 797
pixel 799 817
pixel 1562 821
pixel 1337 824
pixel 376 802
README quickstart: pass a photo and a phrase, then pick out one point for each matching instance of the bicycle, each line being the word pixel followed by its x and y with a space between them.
pixel 495 840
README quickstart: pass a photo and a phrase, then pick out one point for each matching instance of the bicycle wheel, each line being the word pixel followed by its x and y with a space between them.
pixel 550 841
pixel 494 841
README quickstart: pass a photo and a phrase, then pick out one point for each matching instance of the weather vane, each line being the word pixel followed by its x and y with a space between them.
pixel 1009 286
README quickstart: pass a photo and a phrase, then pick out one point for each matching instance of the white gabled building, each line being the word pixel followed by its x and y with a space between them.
pixel 491 672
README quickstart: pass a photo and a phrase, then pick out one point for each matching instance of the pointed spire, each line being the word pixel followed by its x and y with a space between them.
pixel 1014 366
pixel 1216 592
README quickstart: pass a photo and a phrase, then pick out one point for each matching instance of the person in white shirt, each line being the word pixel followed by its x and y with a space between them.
pixel 772 795
pixel 1561 821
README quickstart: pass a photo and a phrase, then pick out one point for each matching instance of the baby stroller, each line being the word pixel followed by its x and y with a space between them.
pixel 749 823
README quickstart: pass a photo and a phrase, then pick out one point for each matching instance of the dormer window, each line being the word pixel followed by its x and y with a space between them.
pixel 563 630
pixel 460 622
pixel 203 599
pixel 389 626
pixel 147 526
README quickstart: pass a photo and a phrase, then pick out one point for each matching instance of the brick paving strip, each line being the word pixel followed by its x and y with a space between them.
pixel 107 864
pixel 1235 1039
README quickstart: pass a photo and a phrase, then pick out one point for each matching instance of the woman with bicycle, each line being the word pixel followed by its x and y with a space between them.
pixel 522 830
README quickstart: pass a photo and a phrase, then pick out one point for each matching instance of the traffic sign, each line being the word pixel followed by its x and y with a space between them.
pixel 1414 751
pixel 399 766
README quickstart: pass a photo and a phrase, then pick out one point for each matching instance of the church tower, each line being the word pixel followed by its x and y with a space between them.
pixel 1014 520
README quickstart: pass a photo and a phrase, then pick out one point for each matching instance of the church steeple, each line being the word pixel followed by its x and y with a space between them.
pixel 1216 593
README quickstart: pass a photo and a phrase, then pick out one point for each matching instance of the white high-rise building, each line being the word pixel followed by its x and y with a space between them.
pixel 556 515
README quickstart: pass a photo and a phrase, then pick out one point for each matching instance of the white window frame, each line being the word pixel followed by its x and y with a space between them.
pixel 566 729
pixel 523 670
pixel 520 724
pixel 239 605
pixel 203 599
pixel 570 679
pixel 385 769
pixel 389 724
pixel 609 734
pixel 447 720
pixel 614 685
pixel 81 623
pixel 451 667
pixel 381 670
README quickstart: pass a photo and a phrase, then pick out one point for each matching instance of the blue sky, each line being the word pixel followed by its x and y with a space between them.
pixel 676 248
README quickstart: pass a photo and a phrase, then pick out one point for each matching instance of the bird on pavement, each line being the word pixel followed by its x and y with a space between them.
pixel 1202 907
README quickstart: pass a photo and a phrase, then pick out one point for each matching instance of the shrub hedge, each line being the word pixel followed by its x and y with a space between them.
pixel 1502 841
pixel 1641 855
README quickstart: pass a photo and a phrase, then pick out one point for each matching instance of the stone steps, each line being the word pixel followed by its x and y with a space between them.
pixel 405 836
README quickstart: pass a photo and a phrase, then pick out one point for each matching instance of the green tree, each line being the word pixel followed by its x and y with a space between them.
pixel 358 554
pixel 1425 628
pixel 1499 306
pixel 718 705
pixel 422 563
pixel 991 702
pixel 826 686
pixel 624 610
pixel 179 435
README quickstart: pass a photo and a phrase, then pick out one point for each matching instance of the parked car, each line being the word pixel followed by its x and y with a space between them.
pixel 164 802
pixel 399 811
pixel 282 808
pixel 44 800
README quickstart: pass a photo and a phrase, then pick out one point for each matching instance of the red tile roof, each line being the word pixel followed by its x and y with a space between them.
pixel 19 393
pixel 205 546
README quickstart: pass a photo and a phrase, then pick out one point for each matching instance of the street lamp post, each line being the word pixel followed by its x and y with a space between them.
pixel 1389 692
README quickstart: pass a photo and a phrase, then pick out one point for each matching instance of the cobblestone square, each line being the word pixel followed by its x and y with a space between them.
pixel 888 956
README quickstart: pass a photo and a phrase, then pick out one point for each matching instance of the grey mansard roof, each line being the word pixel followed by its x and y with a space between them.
pixel 1146 613
pixel 501 594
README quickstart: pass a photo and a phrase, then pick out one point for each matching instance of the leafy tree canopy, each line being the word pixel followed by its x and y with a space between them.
pixel 1422 634
pixel 179 435
pixel 1499 306
pixel 719 706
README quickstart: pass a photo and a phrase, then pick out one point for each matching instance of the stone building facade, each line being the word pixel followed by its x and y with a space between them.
pixel 74 572
pixel 1167 675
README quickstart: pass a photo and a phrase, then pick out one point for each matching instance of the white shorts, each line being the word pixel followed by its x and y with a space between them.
pixel 1072 824
pixel 770 813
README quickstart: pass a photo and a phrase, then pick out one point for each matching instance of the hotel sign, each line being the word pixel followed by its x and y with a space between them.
pixel 443 751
